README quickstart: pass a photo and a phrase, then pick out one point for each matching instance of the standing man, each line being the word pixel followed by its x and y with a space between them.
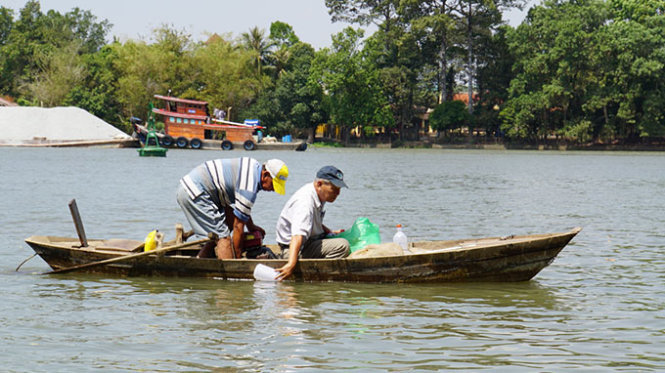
pixel 217 196
pixel 300 229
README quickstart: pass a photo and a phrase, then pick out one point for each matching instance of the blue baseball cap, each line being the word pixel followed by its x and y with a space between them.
pixel 332 174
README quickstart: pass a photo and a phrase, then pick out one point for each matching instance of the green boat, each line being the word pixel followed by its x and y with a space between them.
pixel 151 147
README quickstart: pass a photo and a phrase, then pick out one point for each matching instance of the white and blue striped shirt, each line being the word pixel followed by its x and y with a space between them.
pixel 229 182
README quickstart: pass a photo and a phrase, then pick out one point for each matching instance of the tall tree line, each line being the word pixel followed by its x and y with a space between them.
pixel 583 70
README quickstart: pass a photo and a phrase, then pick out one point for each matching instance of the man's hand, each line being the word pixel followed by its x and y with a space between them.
pixel 285 271
pixel 329 231
pixel 294 250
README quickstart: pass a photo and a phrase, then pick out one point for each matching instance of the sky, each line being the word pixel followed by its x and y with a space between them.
pixel 135 19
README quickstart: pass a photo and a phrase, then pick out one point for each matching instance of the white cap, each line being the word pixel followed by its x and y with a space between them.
pixel 279 173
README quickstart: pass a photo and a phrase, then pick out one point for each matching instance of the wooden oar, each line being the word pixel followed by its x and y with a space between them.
pixel 163 250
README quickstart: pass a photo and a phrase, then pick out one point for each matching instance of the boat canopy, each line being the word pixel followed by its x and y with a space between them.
pixel 167 113
pixel 183 100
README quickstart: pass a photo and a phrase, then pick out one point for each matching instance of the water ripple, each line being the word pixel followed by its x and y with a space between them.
pixel 597 307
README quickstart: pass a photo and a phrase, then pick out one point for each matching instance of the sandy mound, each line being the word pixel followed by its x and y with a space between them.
pixel 21 125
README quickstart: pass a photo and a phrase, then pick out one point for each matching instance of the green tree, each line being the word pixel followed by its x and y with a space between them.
pixel 296 102
pixel 6 24
pixel 449 115
pixel 36 37
pixel 494 77
pixel 553 49
pixel 223 75
pixel 397 52
pixel 588 70
pixel 141 75
pixel 434 24
pixel 304 97
pixel 83 26
pixel 282 35
pixel 24 41
pixel 60 71
pixel 96 93
pixel 364 12
pixel 354 92
pixel 260 46
pixel 628 98
pixel 176 46
pixel 284 38
pixel 388 51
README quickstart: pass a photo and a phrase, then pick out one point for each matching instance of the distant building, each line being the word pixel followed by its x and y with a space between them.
pixel 464 97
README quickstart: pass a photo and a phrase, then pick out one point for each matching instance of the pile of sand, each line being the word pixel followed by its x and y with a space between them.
pixel 21 125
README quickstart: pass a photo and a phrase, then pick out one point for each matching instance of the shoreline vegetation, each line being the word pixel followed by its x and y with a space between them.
pixel 581 75
pixel 483 144
pixel 423 144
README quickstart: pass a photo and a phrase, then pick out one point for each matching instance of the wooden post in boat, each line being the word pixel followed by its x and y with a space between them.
pixel 180 234
pixel 78 223
pixel 179 231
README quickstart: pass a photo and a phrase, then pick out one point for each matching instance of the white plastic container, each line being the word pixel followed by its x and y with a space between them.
pixel 400 239
pixel 264 273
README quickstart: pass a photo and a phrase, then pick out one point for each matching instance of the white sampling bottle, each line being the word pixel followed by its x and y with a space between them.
pixel 400 239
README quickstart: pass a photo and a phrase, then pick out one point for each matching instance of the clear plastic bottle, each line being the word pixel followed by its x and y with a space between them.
pixel 400 239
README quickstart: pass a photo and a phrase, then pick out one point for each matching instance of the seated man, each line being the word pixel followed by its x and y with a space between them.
pixel 300 229
pixel 218 196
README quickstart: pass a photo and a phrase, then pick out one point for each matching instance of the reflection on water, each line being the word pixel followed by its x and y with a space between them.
pixel 597 307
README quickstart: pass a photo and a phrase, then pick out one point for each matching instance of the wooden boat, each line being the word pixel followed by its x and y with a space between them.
pixel 188 123
pixel 512 258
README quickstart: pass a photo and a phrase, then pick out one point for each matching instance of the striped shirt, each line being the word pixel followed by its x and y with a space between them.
pixel 229 182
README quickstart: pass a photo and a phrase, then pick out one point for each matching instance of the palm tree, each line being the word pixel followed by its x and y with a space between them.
pixel 256 41
pixel 279 61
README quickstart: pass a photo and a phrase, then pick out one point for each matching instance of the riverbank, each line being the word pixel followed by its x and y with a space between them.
pixel 426 144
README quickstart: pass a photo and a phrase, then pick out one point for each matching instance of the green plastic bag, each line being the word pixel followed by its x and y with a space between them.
pixel 362 233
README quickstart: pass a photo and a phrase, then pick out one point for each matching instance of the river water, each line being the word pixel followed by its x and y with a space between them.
pixel 599 306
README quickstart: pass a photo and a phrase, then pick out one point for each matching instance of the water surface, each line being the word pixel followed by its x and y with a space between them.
pixel 599 306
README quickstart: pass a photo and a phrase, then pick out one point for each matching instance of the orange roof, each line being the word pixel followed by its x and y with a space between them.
pixel 464 97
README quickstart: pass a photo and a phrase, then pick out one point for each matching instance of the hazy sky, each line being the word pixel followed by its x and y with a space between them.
pixel 135 19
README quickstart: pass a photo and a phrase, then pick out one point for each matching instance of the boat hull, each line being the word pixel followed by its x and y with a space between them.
pixel 517 258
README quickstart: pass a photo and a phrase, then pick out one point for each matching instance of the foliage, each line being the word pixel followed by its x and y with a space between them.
pixel 449 115
pixel 6 23
pixel 222 74
pixel 582 70
pixel 296 102
pixel 352 83
pixel 256 42
pixel 60 70
pixel 578 130
pixel 282 35
pixel 34 46
pixel 592 63
pixel 96 92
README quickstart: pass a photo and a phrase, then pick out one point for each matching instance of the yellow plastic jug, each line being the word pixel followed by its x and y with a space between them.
pixel 150 241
